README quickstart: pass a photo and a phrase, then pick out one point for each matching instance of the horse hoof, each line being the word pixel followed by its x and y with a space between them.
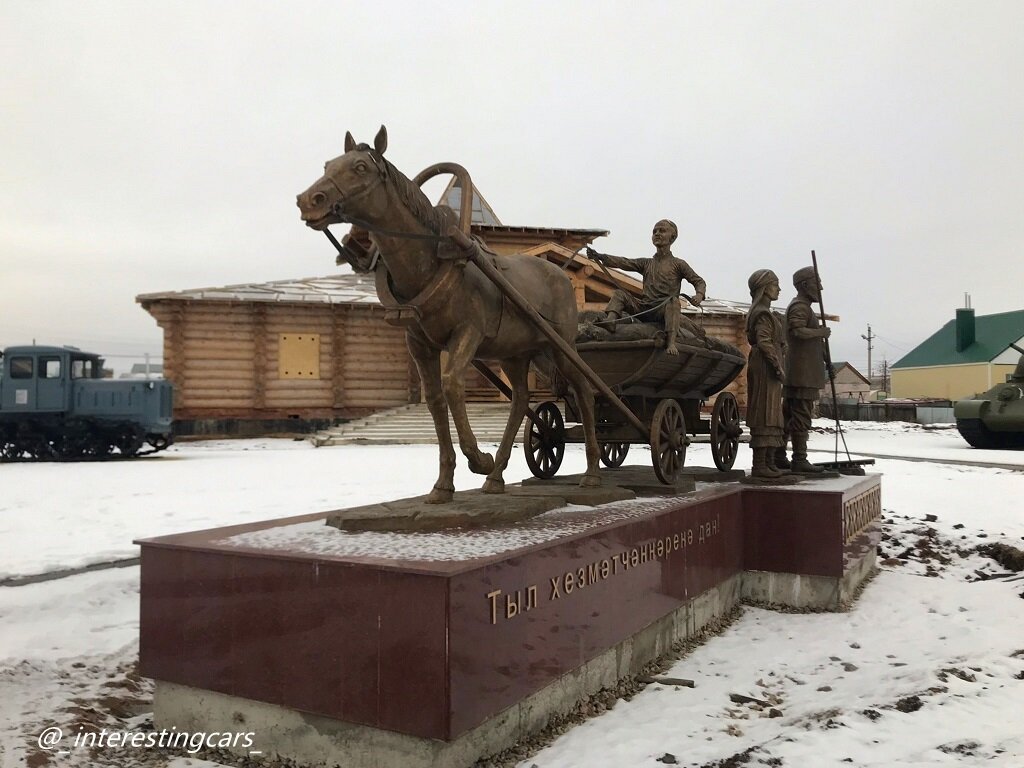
pixel 590 481
pixel 440 495
pixel 482 464
pixel 493 486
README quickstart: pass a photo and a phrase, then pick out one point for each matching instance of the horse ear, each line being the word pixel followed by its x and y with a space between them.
pixel 350 143
pixel 380 143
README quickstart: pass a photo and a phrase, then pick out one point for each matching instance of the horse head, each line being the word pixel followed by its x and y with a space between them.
pixel 352 185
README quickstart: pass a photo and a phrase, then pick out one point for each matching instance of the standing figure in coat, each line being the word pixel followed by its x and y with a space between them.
pixel 663 277
pixel 765 374
pixel 805 364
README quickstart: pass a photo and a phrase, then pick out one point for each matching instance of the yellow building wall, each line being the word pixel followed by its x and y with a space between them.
pixel 1000 372
pixel 949 382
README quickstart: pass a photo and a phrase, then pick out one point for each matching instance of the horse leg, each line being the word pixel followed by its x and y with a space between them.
pixel 461 349
pixel 428 363
pixel 585 400
pixel 517 369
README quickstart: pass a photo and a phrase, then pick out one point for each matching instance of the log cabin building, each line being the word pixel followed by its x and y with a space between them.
pixel 294 355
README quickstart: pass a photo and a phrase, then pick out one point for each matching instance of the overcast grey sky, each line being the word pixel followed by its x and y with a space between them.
pixel 151 147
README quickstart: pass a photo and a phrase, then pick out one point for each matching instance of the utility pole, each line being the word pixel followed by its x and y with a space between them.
pixel 869 338
pixel 885 375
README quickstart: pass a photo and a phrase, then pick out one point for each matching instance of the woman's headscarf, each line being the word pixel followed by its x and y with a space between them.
pixel 759 303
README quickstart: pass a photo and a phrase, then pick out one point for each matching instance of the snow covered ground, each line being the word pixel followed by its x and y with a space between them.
pixel 926 670
pixel 933 441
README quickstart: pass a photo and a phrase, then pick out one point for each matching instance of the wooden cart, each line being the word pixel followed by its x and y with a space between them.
pixel 643 395
pixel 664 391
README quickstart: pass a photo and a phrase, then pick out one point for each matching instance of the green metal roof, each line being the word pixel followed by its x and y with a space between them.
pixel 992 335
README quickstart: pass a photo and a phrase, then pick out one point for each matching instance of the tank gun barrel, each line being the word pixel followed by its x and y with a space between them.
pixel 1017 348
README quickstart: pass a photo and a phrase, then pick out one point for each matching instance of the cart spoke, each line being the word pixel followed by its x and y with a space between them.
pixel 545 441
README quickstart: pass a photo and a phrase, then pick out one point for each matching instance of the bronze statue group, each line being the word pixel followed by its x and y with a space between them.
pixel 785 372
pixel 786 365
pixel 446 307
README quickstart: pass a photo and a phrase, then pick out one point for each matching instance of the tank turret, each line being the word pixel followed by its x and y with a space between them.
pixel 995 419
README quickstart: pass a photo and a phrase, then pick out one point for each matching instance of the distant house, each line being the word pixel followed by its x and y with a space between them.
pixel 850 384
pixel 967 355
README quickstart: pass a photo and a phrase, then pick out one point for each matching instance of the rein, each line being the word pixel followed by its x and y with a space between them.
pixel 347 219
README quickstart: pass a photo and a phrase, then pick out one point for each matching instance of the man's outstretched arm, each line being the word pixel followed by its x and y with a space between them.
pixel 629 265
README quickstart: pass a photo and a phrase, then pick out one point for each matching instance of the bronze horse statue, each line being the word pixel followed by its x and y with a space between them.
pixel 450 304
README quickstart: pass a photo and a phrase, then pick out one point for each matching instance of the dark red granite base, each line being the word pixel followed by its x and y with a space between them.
pixel 433 649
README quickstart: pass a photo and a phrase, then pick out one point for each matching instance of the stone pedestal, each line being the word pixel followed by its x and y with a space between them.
pixel 436 649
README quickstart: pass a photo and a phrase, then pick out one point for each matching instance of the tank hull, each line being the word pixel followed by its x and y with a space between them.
pixel 993 419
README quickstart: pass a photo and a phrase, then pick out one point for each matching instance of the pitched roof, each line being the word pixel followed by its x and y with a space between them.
pixel 838 366
pixel 333 289
pixel 482 211
pixel 992 335
pixel 486 222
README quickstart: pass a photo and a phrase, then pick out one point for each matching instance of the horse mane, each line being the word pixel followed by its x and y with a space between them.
pixel 435 218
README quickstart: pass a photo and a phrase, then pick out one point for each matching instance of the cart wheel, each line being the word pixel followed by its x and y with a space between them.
pixel 668 440
pixel 725 430
pixel 545 443
pixel 613 454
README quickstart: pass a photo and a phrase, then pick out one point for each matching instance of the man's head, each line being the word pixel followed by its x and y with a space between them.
pixel 806 282
pixel 664 234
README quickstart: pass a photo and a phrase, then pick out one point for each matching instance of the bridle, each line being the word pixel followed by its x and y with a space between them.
pixel 346 218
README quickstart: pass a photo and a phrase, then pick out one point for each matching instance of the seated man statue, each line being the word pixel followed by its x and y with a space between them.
pixel 663 276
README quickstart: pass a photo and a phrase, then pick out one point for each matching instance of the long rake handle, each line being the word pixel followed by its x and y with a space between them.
pixel 828 362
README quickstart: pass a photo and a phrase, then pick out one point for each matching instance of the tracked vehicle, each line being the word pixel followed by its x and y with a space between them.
pixel 54 405
pixel 995 419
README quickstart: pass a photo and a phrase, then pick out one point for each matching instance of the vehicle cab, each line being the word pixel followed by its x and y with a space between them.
pixel 39 379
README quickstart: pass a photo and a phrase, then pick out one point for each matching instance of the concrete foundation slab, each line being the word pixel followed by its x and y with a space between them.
pixel 321 741
pixel 437 649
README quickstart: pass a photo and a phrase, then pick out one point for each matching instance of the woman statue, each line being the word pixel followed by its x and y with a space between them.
pixel 764 373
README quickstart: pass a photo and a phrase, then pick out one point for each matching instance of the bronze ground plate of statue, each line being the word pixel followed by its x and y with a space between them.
pixel 456 296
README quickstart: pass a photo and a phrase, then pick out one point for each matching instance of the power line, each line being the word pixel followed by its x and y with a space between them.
pixel 891 343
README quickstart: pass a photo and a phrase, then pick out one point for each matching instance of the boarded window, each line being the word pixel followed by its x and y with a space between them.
pixel 298 356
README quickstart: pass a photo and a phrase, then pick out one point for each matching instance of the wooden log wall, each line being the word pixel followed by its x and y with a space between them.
pixel 375 362
pixel 216 366
pixel 223 359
